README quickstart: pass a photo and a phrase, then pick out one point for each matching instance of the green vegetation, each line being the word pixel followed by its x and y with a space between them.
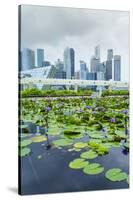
pixel 53 93
pixel 116 174
pixel 115 92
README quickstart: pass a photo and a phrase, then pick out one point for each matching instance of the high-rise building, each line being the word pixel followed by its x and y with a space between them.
pixel 92 76
pixel 40 57
pixel 108 74
pixel 117 68
pixel 100 75
pixel 77 75
pixel 46 63
pixel 94 64
pixel 69 62
pixel 59 65
pixel 97 52
pixel 110 54
pixel 27 59
pixel 83 70
pixel 60 73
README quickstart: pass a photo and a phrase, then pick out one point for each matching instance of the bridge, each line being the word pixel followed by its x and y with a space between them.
pixel 72 82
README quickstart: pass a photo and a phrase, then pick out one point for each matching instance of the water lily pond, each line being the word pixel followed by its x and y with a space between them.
pixel 68 145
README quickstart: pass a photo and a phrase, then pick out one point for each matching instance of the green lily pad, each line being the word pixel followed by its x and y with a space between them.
pixel 89 154
pixel 126 145
pixel 78 163
pixel 54 131
pixel 80 145
pixel 96 135
pixel 39 138
pixel 115 174
pixel 121 134
pixel 93 168
pixel 24 151
pixel 25 143
pixel 62 142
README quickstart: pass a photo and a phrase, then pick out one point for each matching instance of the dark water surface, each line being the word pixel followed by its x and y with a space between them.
pixel 51 174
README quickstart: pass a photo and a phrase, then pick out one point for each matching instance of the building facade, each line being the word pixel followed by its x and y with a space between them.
pixel 27 59
pixel 110 54
pixel 83 70
pixel 40 57
pixel 117 68
pixel 69 62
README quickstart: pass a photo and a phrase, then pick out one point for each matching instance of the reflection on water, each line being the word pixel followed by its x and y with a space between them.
pixel 51 173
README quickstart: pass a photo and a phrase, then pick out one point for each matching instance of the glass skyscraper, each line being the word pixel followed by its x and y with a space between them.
pixel 40 57
pixel 110 54
pixel 27 59
pixel 83 70
pixel 69 62
pixel 117 68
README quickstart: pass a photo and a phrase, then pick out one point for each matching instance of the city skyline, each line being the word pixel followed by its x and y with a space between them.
pixel 84 30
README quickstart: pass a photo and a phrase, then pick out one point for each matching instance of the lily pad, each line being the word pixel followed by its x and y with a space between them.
pixel 116 174
pixel 96 135
pixel 39 138
pixel 89 154
pixel 62 142
pixel 80 145
pixel 24 151
pixel 25 143
pixel 78 163
pixel 121 134
pixel 93 168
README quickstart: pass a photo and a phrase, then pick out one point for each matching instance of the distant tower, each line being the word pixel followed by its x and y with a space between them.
pixel 27 59
pixel 110 54
pixel 40 57
pixel 117 68
pixel 69 62
pixel 83 70
pixel 94 63
pixel 97 52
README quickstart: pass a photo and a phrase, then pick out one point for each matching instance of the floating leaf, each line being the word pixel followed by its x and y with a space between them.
pixel 39 138
pixel 96 135
pixel 80 145
pixel 25 143
pixel 93 168
pixel 126 145
pixel 115 174
pixel 62 142
pixel 78 163
pixel 54 131
pixel 121 134
pixel 24 151
pixel 89 154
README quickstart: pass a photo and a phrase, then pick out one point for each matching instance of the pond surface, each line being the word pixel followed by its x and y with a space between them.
pixel 51 173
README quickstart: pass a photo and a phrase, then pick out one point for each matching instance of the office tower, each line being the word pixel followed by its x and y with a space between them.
pixel 117 68
pixel 59 65
pixel 77 75
pixel 83 70
pixel 46 63
pixel 94 64
pixel 108 74
pixel 92 76
pixel 60 73
pixel 27 59
pixel 97 52
pixel 110 54
pixel 100 75
pixel 69 62
pixel 40 57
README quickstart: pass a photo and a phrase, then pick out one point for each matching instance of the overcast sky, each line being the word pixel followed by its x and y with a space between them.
pixel 53 29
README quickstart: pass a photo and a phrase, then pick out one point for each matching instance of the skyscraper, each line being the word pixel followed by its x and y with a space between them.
pixel 117 68
pixel 27 59
pixel 40 57
pixel 110 54
pixel 69 62
pixel 83 70
pixel 108 74
pixel 60 73
pixel 97 52
pixel 94 64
